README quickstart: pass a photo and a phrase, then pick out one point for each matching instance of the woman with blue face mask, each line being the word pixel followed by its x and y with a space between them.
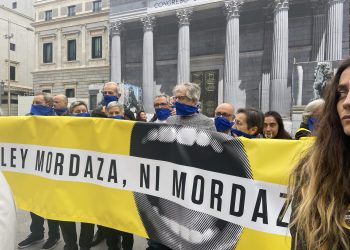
pixel 115 110
pixel 186 98
pixel 79 109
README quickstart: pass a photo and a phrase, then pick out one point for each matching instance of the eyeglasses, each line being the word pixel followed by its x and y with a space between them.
pixel 107 92
pixel 163 104
pixel 224 114
pixel 180 98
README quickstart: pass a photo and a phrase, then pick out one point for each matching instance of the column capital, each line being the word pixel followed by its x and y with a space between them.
pixel 319 7
pixel 184 16
pixel 148 23
pixel 116 28
pixel 281 4
pixel 232 8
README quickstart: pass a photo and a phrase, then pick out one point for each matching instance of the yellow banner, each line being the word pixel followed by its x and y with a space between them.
pixel 183 187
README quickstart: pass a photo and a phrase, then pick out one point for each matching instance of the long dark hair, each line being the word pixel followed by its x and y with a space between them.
pixel 320 184
pixel 282 133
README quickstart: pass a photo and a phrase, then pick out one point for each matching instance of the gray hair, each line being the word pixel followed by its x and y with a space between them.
pixel 47 97
pixel 311 107
pixel 117 86
pixel 193 91
pixel 75 104
pixel 163 95
pixel 115 104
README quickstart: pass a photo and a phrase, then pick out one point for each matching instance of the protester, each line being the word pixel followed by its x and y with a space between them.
pixel 115 110
pixel 42 105
pixel 224 116
pixel 60 105
pixel 111 93
pixel 312 113
pixel 7 216
pixel 274 127
pixel 186 98
pixel 319 185
pixel 249 123
pixel 162 108
pixel 141 116
pixel 79 108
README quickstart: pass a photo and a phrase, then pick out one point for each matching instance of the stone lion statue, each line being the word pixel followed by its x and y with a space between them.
pixel 322 75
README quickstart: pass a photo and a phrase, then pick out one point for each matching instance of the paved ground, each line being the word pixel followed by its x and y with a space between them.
pixel 23 222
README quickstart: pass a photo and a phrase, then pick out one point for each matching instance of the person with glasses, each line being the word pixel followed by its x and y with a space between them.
pixel 249 123
pixel 162 107
pixel 224 116
pixel 186 97
pixel 111 93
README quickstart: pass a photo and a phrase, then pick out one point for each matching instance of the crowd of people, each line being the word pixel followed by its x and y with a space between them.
pixel 318 192
pixel 181 109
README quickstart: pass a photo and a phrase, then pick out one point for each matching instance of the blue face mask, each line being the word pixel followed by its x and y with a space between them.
pixel 84 114
pixel 109 98
pixel 241 133
pixel 184 110
pixel 222 124
pixel 311 123
pixel 163 113
pixel 60 111
pixel 118 117
pixel 38 109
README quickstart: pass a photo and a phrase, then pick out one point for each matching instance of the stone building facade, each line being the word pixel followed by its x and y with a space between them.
pixel 240 51
pixel 16 47
pixel 72 47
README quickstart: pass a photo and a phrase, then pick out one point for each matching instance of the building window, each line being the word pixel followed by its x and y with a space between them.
pixel 70 93
pixel 97 5
pixel 12 73
pixel 71 10
pixel 14 5
pixel 71 50
pixel 46 91
pixel 47 52
pixel 48 15
pixel 96 47
pixel 92 102
pixel 12 46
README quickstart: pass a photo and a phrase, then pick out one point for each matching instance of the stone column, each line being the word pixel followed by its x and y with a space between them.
pixel 148 64
pixel 319 30
pixel 37 51
pixel 233 92
pixel 116 68
pixel 335 30
pixel 280 96
pixel 183 58
pixel 266 61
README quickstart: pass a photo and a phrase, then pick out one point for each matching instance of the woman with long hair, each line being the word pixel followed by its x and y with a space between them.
pixel 320 184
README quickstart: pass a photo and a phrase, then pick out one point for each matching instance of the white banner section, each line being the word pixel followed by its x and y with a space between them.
pixel 253 204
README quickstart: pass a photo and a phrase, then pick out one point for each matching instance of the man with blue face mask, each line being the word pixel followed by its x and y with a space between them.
pixel 60 104
pixel 224 116
pixel 162 109
pixel 186 97
pixel 111 93
pixel 42 105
